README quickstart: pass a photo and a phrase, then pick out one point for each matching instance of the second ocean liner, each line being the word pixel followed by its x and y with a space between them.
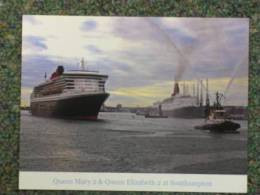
pixel 183 105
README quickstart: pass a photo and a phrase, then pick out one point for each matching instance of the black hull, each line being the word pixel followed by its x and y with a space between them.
pixel 226 126
pixel 77 107
pixel 154 116
pixel 186 112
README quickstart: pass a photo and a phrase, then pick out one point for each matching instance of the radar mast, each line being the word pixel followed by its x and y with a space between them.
pixel 82 64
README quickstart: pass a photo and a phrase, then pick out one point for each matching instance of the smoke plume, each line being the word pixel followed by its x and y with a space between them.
pixel 183 54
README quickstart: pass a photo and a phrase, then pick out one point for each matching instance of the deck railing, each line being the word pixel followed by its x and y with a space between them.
pixel 71 84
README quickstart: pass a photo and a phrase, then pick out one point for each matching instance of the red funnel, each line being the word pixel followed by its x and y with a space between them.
pixel 176 89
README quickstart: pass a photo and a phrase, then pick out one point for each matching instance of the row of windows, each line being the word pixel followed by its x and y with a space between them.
pixel 58 86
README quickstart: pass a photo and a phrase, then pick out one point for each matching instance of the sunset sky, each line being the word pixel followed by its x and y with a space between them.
pixel 141 55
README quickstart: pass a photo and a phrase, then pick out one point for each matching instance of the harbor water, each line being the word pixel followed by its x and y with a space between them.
pixel 125 142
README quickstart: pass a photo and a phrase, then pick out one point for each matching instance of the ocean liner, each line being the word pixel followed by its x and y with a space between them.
pixel 74 94
pixel 183 105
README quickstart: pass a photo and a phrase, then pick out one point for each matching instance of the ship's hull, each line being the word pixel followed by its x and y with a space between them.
pixel 84 106
pixel 186 112
pixel 225 126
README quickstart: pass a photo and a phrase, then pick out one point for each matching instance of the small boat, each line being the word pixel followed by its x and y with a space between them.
pixel 225 126
pixel 217 120
pixel 219 125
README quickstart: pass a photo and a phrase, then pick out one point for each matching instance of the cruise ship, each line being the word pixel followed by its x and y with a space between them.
pixel 75 94
pixel 183 104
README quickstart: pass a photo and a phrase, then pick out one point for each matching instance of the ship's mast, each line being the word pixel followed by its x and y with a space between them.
pixel 184 93
pixel 82 64
pixel 207 93
pixel 160 110
pixel 207 106
pixel 219 97
pixel 198 98
pixel 201 93
pixel 193 89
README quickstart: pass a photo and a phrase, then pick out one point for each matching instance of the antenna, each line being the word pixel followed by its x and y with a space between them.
pixel 193 89
pixel 219 97
pixel 183 91
pixel 82 64
pixel 201 93
pixel 198 97
pixel 207 92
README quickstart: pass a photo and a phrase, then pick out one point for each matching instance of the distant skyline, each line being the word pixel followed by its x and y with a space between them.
pixel 142 55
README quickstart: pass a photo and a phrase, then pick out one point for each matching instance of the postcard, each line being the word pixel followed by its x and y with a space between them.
pixel 134 104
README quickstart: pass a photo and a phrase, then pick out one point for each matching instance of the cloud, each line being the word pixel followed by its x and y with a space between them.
pixel 148 94
pixel 137 51
pixel 93 49
pixel 31 19
pixel 34 43
pixel 180 48
pixel 88 25
pixel 181 38
pixel 34 68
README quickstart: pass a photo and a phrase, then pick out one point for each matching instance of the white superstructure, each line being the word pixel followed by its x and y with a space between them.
pixel 178 101
pixel 69 84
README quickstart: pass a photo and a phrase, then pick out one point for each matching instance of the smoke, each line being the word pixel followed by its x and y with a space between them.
pixel 181 67
pixel 243 61
pixel 183 60
pixel 219 45
pixel 222 43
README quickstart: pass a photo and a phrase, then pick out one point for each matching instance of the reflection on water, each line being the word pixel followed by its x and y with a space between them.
pixel 129 143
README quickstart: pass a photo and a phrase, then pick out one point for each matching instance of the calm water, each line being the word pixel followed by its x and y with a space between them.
pixel 125 142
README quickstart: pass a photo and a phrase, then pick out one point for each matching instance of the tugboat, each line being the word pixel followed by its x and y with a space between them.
pixel 216 118
pixel 77 94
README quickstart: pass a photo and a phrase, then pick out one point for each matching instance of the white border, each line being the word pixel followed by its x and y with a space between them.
pixel 132 182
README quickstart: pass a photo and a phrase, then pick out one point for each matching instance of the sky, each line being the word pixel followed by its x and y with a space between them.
pixel 142 56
